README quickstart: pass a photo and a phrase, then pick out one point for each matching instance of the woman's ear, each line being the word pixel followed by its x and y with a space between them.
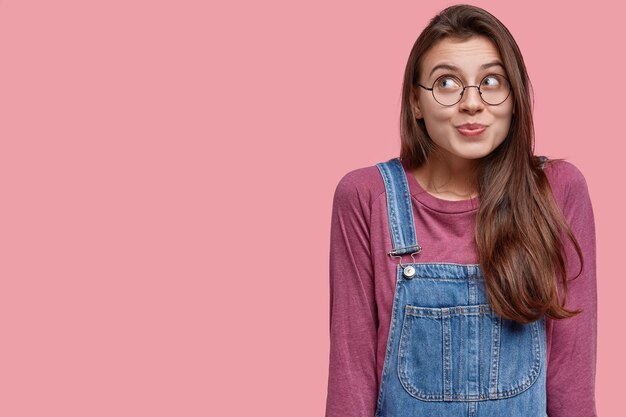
pixel 415 107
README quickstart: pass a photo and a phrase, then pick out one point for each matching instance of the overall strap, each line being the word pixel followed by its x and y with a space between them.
pixel 399 208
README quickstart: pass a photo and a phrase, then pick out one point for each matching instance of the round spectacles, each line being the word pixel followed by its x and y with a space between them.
pixel 448 90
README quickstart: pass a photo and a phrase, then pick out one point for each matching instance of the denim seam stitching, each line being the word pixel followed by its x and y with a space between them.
pixel 390 338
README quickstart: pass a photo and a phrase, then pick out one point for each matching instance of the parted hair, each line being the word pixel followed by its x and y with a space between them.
pixel 520 229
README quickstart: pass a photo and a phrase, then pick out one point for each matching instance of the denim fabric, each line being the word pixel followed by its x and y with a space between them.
pixel 448 353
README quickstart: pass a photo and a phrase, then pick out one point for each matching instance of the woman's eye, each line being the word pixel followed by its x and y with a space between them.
pixel 491 81
pixel 448 83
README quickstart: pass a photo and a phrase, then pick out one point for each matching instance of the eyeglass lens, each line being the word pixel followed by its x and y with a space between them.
pixel 448 90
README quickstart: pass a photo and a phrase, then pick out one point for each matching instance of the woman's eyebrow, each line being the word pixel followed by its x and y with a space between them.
pixel 443 66
pixel 455 68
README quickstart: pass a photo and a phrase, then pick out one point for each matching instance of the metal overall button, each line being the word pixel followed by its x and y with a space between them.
pixel 409 271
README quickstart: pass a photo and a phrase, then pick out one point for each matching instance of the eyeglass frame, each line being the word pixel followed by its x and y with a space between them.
pixel 480 93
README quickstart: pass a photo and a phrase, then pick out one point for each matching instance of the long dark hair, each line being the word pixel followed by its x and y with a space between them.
pixel 519 225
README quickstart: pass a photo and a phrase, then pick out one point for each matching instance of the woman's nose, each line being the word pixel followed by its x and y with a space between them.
pixel 471 100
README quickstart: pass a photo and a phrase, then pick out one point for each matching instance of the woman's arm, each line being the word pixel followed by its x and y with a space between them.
pixel 352 379
pixel 572 349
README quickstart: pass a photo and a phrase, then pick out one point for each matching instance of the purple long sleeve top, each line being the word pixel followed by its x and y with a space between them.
pixel 362 284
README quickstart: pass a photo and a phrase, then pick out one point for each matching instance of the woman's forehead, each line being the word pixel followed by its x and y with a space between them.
pixel 464 55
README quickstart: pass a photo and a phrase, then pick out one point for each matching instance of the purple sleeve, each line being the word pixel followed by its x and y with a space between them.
pixel 352 379
pixel 572 342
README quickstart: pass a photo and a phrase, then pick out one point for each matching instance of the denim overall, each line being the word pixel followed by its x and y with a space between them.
pixel 448 353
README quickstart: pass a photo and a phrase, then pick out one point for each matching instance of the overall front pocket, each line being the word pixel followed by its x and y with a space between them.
pixel 466 353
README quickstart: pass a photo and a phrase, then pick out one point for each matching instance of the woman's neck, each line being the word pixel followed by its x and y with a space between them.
pixel 448 178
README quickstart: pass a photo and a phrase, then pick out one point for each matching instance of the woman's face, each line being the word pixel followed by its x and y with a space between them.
pixel 469 60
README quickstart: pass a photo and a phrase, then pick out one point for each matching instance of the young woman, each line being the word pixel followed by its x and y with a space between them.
pixel 462 274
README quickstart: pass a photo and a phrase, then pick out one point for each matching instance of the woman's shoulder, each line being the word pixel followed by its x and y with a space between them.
pixel 566 179
pixel 364 184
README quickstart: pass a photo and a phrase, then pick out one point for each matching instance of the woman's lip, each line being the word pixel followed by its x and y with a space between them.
pixel 471 125
pixel 471 132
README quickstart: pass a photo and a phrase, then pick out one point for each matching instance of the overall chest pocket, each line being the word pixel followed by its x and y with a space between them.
pixel 466 353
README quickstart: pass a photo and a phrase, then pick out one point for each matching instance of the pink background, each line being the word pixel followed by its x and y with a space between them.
pixel 166 179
